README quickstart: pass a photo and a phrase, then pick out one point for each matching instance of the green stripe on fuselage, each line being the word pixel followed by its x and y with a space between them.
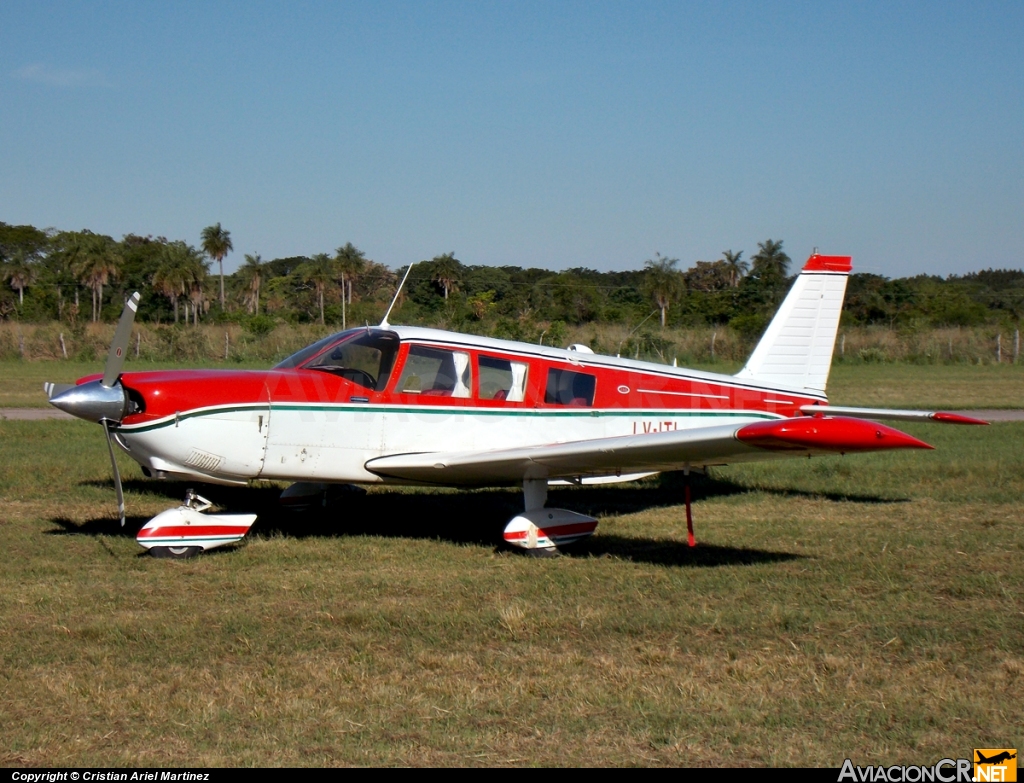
pixel 536 412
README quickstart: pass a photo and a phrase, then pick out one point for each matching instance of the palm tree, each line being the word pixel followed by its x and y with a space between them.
pixel 167 281
pixel 736 265
pixel 770 260
pixel 663 281
pixel 446 270
pixel 350 261
pixel 319 271
pixel 252 275
pixel 96 262
pixel 21 272
pixel 58 267
pixel 197 294
pixel 217 244
pixel 181 272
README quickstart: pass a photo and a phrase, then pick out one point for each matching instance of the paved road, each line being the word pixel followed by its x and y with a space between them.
pixel 996 415
pixel 33 414
pixel 36 414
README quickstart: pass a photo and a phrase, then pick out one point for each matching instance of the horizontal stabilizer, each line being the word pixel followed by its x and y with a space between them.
pixel 890 414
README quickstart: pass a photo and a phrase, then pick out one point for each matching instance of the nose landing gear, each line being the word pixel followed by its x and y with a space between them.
pixel 185 531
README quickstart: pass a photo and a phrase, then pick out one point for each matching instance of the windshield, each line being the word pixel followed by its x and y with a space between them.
pixel 362 356
pixel 301 357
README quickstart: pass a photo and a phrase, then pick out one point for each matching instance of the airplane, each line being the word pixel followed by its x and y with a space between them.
pixel 996 759
pixel 410 405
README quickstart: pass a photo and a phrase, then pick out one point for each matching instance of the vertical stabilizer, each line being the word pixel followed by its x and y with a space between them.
pixel 796 349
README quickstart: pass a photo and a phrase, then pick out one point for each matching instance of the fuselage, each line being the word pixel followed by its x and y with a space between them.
pixel 366 393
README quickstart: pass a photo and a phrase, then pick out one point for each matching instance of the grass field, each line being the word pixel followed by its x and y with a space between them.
pixel 893 385
pixel 868 607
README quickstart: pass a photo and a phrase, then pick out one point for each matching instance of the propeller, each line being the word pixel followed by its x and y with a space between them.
pixel 104 401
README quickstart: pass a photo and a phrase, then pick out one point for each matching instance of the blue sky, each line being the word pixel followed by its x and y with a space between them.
pixel 539 134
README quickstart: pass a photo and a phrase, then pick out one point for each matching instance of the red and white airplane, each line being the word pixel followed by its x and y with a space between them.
pixel 408 405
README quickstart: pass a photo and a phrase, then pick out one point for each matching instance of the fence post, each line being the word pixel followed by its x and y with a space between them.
pixel 138 343
pixel 713 336
pixel 227 345
pixel 842 346
pixel 63 348
pixel 1016 345
pixel 999 348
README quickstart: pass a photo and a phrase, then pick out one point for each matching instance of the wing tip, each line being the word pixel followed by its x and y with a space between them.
pixel 832 434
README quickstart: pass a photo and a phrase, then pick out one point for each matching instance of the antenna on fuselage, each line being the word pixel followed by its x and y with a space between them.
pixel 384 322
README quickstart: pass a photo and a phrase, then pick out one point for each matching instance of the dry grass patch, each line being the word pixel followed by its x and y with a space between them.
pixel 867 607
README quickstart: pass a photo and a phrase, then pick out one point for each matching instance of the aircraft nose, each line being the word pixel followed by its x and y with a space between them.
pixel 93 401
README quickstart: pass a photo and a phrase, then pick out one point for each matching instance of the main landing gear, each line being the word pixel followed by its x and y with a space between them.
pixel 539 530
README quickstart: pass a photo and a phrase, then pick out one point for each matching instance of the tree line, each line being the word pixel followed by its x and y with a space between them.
pixel 78 276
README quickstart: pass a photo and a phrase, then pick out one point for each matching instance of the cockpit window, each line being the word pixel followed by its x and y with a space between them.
pixel 364 357
pixel 434 372
pixel 299 358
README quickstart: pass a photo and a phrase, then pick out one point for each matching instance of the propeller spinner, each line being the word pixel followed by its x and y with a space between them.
pixel 103 401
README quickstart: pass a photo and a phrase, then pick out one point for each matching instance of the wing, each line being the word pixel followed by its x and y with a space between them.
pixel 891 414
pixel 657 451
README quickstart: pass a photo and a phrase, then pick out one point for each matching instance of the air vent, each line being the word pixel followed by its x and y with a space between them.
pixel 203 461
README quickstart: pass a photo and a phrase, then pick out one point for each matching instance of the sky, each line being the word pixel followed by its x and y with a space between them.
pixel 550 134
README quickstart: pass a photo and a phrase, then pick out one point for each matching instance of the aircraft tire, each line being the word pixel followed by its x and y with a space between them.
pixel 175 552
pixel 546 551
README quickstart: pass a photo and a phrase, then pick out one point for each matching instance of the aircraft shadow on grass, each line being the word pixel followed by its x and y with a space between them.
pixel 472 517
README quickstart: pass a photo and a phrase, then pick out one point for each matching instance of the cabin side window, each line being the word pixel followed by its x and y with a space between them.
pixel 566 387
pixel 500 379
pixel 435 372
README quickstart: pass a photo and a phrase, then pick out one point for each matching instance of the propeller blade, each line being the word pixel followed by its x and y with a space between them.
pixel 53 389
pixel 117 473
pixel 118 348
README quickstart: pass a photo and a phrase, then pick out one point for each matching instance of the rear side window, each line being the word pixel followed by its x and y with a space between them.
pixel 570 388
pixel 435 372
pixel 501 379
